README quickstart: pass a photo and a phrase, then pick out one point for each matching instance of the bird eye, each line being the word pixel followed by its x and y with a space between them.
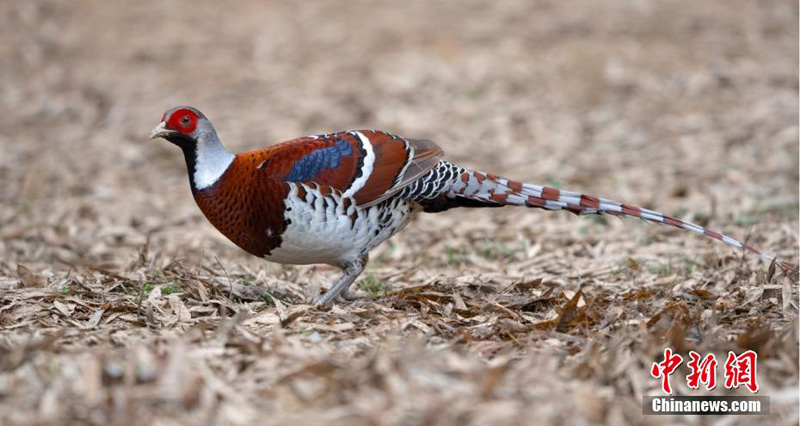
pixel 185 120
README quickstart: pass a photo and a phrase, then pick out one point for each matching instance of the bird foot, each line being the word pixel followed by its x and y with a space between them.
pixel 349 296
pixel 340 288
pixel 346 297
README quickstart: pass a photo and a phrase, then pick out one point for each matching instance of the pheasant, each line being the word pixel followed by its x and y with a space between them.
pixel 330 199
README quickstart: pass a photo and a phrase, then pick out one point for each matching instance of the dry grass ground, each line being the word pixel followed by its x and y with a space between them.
pixel 119 304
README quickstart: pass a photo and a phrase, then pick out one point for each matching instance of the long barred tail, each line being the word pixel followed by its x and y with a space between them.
pixel 450 186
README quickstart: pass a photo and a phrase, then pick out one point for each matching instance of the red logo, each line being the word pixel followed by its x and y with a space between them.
pixel 662 370
pixel 739 370
pixel 704 371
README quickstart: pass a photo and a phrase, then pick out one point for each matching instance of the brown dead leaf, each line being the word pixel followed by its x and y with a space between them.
pixel 292 317
pixel 28 278
pixel 178 308
pixel 459 302
pixel 673 309
pixel 94 320
pixel 787 296
pixel 771 270
pixel 612 315
pixel 676 335
pixel 510 326
pixel 62 308
pixel 705 294
pixel 640 294
pixel 282 312
pixel 570 314
pixel 154 295
pixel 752 295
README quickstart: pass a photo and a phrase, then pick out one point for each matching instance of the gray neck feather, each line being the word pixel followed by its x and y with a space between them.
pixel 212 159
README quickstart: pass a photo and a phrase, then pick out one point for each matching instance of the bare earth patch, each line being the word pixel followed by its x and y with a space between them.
pixel 119 304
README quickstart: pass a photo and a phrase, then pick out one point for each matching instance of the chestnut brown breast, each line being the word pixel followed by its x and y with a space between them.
pixel 246 205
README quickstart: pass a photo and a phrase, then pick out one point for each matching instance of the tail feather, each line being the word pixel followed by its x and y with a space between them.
pixel 494 190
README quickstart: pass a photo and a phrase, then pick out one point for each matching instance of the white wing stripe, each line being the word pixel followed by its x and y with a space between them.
pixel 366 169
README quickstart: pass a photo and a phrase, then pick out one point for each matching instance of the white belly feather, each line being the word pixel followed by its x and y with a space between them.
pixel 322 231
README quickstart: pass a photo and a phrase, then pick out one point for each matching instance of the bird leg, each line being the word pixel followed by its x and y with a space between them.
pixel 351 271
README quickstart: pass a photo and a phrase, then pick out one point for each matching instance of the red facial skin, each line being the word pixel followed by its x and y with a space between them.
pixel 182 120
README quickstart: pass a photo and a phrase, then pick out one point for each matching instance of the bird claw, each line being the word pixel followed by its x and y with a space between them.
pixel 348 296
pixel 345 297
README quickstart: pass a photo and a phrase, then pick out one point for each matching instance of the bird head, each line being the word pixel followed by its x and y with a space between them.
pixel 205 156
pixel 184 126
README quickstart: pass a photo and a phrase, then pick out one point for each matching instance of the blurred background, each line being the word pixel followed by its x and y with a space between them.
pixel 653 103
pixel 687 107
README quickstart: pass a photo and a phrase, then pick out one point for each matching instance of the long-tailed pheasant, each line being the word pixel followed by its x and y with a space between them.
pixel 332 198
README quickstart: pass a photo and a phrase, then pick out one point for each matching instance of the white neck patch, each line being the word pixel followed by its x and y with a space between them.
pixel 212 159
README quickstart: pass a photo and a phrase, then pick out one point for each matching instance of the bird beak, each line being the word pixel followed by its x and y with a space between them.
pixel 161 131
